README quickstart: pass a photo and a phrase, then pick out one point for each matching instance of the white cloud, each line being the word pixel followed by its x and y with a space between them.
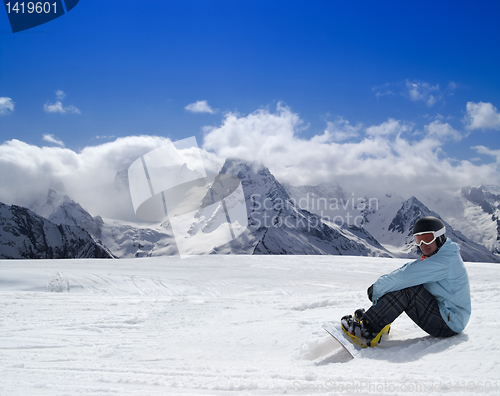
pixel 486 151
pixel 390 127
pixel 58 106
pixel 417 91
pixel 383 90
pixel 423 91
pixel 482 116
pixel 88 175
pixel 6 105
pixel 261 133
pixel 201 106
pixel 337 131
pixel 380 158
pixel 52 139
pixel 442 131
pixel 60 95
pixel 452 87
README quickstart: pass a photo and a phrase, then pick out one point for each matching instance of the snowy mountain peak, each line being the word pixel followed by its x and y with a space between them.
pixel 61 209
pixel 277 225
pixel 243 169
pixel 256 180
pixel 488 201
pixel 406 217
pixel 54 199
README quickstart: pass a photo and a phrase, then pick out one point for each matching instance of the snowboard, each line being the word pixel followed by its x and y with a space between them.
pixel 340 337
pixel 350 342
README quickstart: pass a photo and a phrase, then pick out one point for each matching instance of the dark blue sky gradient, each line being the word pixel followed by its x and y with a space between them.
pixel 132 66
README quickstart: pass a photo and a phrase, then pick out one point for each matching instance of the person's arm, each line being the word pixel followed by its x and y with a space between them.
pixel 415 273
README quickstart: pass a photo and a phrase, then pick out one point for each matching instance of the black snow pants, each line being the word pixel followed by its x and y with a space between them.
pixel 419 304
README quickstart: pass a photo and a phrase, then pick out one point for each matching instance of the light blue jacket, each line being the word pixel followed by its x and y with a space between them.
pixel 443 275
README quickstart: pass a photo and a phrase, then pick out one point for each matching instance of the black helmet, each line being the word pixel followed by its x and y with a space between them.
pixel 431 224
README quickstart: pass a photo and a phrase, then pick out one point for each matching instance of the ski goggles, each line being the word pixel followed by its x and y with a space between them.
pixel 428 237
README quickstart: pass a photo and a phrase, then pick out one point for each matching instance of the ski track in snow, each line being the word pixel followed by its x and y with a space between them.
pixel 225 325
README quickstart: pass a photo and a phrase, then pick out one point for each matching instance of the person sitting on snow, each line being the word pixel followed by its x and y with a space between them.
pixel 434 291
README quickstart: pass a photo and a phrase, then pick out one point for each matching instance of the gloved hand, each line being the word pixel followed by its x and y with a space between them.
pixel 370 293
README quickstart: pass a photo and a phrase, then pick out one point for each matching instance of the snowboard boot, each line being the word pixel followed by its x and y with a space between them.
pixel 359 331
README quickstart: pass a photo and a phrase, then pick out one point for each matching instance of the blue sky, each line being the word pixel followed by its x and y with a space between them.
pixel 112 69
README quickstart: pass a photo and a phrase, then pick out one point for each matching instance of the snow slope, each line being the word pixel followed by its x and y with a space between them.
pixel 225 325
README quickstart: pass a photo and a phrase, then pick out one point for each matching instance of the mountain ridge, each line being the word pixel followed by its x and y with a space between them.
pixel 28 235
pixel 284 219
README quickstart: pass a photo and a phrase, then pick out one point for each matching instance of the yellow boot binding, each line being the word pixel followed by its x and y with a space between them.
pixel 354 329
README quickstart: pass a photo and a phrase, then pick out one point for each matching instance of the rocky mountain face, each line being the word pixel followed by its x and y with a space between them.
pixel 277 225
pixel 25 235
pixel 60 209
pixel 124 239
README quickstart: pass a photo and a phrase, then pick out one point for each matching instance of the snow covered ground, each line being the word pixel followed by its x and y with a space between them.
pixel 226 325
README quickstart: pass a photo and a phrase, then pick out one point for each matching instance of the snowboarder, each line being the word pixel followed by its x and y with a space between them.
pixel 433 290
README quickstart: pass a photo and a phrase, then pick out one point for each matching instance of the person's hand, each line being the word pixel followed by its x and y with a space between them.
pixel 370 293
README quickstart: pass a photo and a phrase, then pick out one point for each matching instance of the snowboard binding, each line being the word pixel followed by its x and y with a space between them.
pixel 359 331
